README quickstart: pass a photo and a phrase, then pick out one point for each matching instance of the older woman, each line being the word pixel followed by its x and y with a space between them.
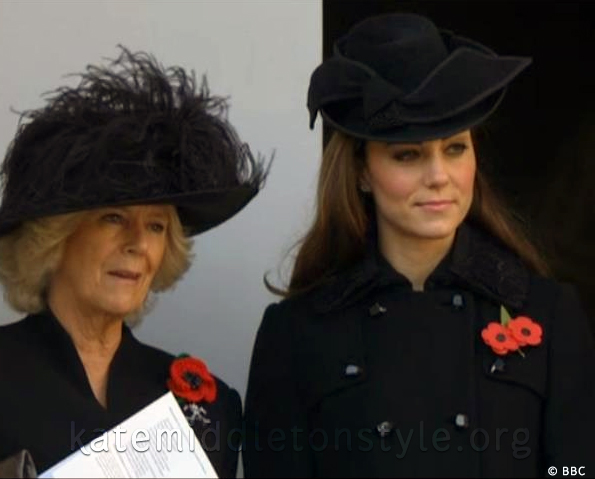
pixel 103 189
pixel 420 335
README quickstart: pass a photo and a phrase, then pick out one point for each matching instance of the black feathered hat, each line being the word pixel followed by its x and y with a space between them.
pixel 130 133
pixel 398 78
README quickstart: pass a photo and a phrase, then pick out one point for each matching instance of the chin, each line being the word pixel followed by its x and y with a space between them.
pixel 437 231
pixel 122 309
pixel 124 300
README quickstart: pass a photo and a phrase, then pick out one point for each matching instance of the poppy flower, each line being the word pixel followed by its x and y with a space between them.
pixel 525 331
pixel 499 338
pixel 191 380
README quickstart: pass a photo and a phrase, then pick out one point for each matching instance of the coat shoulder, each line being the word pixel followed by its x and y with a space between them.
pixel 321 298
pixel 283 314
pixel 547 295
pixel 14 331
pixel 16 338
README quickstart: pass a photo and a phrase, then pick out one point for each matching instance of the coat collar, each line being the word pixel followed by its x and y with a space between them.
pixel 476 261
pixel 57 350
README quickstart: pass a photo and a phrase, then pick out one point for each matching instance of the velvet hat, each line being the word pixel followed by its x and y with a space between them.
pixel 398 78
pixel 131 132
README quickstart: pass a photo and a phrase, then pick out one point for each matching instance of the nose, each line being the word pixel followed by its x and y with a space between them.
pixel 436 172
pixel 136 238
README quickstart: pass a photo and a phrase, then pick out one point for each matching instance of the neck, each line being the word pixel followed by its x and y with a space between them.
pixel 96 338
pixel 91 333
pixel 414 258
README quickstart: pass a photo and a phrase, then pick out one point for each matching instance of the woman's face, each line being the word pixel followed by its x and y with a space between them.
pixel 109 262
pixel 421 190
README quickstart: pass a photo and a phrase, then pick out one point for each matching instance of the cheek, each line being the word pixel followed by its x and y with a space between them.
pixel 83 257
pixel 467 179
pixel 395 187
pixel 157 254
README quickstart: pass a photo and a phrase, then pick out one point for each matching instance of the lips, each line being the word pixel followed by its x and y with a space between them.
pixel 435 202
pixel 437 205
pixel 125 274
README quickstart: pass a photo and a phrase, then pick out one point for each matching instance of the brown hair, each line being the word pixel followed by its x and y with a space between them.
pixel 337 237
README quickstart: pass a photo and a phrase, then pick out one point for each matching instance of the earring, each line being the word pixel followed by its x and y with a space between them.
pixel 364 187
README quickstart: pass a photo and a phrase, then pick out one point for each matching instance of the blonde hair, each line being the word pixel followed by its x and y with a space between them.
pixel 30 255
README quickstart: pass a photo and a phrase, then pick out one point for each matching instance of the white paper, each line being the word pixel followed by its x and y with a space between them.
pixel 155 442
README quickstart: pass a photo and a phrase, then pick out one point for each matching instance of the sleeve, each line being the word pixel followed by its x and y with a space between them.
pixel 229 461
pixel 569 429
pixel 276 422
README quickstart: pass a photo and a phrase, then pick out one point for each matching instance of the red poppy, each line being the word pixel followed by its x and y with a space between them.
pixel 190 380
pixel 499 338
pixel 525 331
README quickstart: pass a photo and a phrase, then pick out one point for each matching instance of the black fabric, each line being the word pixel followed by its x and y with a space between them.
pixel 342 376
pixel 398 78
pixel 132 132
pixel 47 405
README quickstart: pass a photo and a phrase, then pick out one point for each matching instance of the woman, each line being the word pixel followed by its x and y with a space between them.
pixel 419 335
pixel 103 189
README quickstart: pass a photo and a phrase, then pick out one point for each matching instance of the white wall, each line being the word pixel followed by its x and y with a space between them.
pixel 261 53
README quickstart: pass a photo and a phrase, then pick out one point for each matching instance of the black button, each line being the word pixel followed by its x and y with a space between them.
pixel 377 309
pixel 384 428
pixel 498 366
pixel 457 301
pixel 353 370
pixel 462 421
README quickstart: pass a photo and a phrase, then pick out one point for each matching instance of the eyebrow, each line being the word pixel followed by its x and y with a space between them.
pixel 159 215
pixel 404 144
pixel 457 136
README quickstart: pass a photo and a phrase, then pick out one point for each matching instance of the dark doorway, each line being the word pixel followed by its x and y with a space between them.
pixel 541 141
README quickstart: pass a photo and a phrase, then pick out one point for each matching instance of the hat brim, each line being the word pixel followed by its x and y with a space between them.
pixel 198 211
pixel 457 94
pixel 354 125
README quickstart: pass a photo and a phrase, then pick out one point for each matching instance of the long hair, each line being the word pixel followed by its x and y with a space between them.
pixel 337 237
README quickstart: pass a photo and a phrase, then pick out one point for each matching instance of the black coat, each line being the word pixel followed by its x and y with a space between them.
pixel 366 377
pixel 47 405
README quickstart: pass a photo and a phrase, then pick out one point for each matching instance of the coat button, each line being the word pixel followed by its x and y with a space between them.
pixel 384 428
pixel 462 421
pixel 353 370
pixel 498 366
pixel 457 301
pixel 377 309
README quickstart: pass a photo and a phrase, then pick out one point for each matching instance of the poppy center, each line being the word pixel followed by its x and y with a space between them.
pixel 526 332
pixel 192 379
pixel 500 337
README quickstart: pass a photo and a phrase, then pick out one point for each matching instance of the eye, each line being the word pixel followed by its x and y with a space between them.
pixel 405 155
pixel 115 218
pixel 157 227
pixel 456 149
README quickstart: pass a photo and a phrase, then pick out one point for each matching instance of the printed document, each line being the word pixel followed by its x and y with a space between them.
pixel 155 442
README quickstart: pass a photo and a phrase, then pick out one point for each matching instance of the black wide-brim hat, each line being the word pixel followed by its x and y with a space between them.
pixel 130 133
pixel 397 78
